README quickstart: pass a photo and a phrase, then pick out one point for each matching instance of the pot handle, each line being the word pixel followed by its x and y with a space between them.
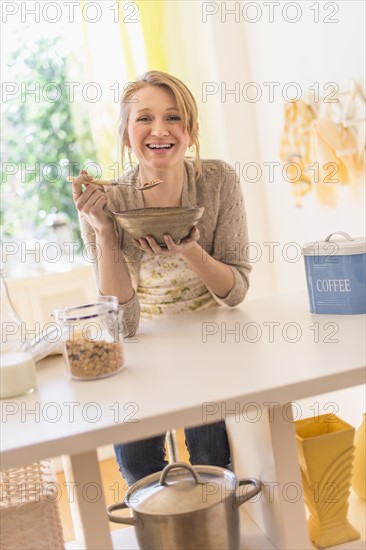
pixel 117 519
pixel 175 466
pixel 256 488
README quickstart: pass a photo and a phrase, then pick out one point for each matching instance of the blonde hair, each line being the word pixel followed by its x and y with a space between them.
pixel 185 101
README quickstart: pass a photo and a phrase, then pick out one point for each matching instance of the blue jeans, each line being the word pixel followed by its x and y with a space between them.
pixel 207 444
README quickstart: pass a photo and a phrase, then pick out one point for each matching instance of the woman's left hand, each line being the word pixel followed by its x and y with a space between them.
pixel 151 247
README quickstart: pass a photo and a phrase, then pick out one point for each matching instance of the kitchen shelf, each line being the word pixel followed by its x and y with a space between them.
pixel 252 538
pixel 357 518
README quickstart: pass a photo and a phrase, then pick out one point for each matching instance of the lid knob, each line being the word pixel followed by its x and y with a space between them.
pixel 176 466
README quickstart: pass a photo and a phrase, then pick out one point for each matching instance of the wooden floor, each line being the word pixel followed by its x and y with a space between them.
pixel 114 487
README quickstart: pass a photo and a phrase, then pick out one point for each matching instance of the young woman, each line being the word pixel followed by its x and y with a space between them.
pixel 209 268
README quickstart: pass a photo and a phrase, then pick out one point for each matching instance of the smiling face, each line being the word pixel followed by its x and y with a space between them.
pixel 155 131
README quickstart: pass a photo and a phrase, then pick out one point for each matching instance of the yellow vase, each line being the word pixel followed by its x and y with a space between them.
pixel 325 448
pixel 359 465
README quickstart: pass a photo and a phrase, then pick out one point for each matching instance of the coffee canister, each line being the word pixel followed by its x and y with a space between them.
pixel 335 274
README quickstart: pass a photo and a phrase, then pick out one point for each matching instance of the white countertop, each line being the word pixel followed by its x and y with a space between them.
pixel 277 352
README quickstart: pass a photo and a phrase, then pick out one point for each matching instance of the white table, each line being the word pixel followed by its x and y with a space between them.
pixel 183 372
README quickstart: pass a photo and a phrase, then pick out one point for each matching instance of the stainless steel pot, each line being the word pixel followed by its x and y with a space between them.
pixel 195 508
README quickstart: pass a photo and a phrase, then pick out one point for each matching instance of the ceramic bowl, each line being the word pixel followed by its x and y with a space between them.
pixel 177 221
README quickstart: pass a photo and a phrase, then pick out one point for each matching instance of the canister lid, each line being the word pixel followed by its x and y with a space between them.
pixel 341 245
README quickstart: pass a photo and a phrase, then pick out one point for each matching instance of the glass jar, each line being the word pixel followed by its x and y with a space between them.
pixel 92 338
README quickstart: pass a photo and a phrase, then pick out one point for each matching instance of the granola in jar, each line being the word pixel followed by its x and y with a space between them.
pixel 93 358
pixel 92 338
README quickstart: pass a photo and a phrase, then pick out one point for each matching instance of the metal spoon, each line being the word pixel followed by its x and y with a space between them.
pixel 146 187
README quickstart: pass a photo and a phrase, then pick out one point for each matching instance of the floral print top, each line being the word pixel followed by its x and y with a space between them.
pixel 223 230
pixel 167 286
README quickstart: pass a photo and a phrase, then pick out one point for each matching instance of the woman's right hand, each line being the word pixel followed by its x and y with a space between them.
pixel 90 203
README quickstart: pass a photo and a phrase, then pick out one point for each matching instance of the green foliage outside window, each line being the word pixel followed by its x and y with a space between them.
pixel 38 134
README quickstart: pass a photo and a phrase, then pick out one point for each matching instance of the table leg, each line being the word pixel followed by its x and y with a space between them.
pixel 86 497
pixel 266 449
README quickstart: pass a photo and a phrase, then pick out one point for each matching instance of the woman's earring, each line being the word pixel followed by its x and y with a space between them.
pixel 191 149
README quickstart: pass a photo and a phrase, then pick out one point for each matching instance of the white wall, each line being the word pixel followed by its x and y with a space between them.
pixel 217 58
pixel 242 132
pixel 305 52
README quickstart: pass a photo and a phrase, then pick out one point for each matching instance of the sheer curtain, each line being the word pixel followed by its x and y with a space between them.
pixel 131 38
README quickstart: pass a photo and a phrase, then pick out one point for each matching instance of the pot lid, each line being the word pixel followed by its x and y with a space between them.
pixel 342 245
pixel 181 488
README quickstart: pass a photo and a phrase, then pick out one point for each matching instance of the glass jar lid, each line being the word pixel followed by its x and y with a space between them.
pixel 104 305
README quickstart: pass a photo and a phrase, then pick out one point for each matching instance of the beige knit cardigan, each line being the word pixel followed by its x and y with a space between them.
pixel 223 230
